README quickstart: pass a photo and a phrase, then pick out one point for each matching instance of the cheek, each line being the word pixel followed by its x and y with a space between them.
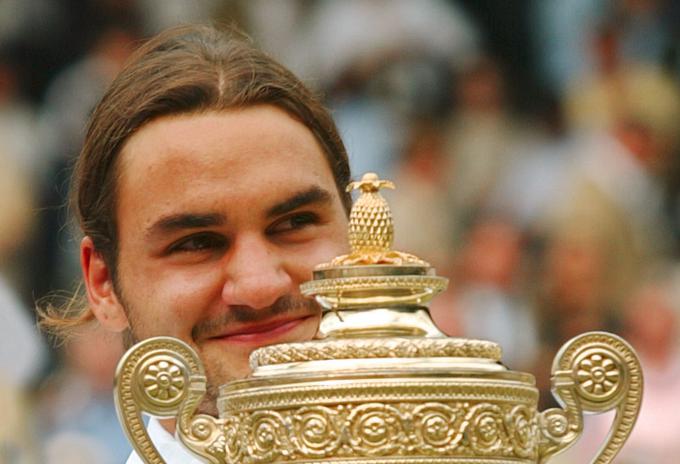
pixel 171 301
pixel 303 261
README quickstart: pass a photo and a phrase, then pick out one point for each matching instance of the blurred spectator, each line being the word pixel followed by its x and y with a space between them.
pixel 575 294
pixel 78 418
pixel 576 297
pixel 73 93
pixel 16 202
pixel 561 32
pixel 565 31
pixel 50 34
pixel 68 103
pixel 418 204
pixel 22 352
pixel 17 118
pixel 344 35
pixel 17 172
pixel 275 25
pixel 645 35
pixel 483 139
pixel 379 59
pixel 611 192
pixel 507 36
pixel 158 16
pixel 651 326
pixel 488 293
pixel 22 357
pixel 618 90
pixel 17 444
pixel 21 349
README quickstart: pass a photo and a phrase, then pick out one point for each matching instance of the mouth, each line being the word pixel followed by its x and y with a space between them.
pixel 264 333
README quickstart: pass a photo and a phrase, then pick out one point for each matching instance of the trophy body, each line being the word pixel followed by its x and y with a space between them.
pixel 381 384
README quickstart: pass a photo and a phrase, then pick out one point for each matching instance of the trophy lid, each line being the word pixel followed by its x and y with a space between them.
pixel 374 290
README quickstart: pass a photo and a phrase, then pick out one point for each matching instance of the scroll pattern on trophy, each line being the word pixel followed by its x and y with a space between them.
pixel 398 430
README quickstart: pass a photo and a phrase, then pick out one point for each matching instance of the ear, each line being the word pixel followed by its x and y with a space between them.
pixel 100 292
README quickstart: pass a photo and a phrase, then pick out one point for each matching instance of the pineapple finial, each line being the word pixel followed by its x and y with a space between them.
pixel 371 231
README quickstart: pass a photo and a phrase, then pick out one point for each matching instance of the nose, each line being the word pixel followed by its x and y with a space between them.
pixel 255 274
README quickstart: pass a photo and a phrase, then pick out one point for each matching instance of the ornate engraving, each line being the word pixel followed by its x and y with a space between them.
pixel 439 427
pixel 266 437
pixel 315 431
pixel 350 284
pixel 462 430
pixel 370 228
pixel 371 390
pixel 344 285
pixel 375 429
pixel 554 424
pixel 486 432
pixel 233 448
pixel 371 231
pixel 599 375
pixel 522 429
pixel 163 381
pixel 375 348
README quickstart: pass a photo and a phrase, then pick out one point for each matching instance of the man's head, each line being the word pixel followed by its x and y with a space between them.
pixel 208 187
pixel 191 69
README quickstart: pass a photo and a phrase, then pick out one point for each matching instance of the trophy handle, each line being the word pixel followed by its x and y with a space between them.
pixel 592 373
pixel 164 377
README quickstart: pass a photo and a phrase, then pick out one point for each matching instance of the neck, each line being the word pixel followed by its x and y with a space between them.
pixel 170 425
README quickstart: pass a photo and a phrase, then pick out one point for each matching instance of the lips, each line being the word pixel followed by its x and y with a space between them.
pixel 262 333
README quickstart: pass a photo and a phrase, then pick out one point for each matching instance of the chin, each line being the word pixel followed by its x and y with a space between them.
pixel 231 360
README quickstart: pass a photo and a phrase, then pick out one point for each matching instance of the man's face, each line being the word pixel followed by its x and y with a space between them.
pixel 221 216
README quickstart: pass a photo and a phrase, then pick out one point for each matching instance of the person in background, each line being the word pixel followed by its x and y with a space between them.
pixel 78 418
pixel 650 324
pixel 488 297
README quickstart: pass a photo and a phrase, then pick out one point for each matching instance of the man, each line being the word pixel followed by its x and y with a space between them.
pixel 210 184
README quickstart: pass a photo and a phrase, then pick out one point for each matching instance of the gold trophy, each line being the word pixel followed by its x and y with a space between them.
pixel 380 384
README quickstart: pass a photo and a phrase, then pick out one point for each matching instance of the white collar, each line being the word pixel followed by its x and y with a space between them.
pixel 168 446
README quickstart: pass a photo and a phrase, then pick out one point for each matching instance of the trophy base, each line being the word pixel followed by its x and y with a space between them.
pixel 439 408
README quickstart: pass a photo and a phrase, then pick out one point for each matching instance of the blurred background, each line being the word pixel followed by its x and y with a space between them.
pixel 534 145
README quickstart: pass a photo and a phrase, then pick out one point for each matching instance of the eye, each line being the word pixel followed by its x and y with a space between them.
pixel 198 242
pixel 293 222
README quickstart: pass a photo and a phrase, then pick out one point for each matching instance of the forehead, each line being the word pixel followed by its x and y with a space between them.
pixel 239 155
pixel 237 136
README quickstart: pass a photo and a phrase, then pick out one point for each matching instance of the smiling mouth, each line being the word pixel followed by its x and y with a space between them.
pixel 264 333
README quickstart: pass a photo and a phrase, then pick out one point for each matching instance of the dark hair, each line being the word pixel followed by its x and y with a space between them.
pixel 186 69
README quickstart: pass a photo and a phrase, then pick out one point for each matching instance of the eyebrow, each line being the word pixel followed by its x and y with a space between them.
pixel 313 195
pixel 175 222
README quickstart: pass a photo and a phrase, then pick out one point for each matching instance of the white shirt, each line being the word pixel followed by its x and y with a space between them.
pixel 170 448
pixel 22 350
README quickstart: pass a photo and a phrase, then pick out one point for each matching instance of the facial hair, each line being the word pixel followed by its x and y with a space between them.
pixel 285 305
